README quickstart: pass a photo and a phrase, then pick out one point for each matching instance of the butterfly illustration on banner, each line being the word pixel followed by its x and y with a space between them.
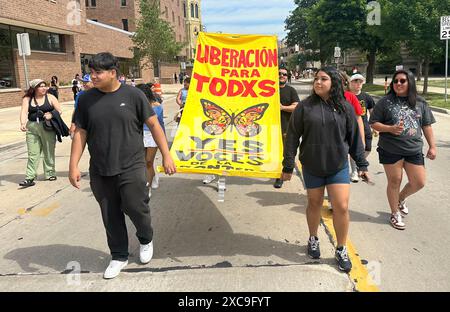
pixel 244 122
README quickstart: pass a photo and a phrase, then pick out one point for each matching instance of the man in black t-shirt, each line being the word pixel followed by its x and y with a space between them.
pixel 110 118
pixel 288 102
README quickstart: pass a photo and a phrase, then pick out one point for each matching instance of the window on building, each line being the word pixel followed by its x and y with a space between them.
pixel 93 3
pixel 125 24
pixel 123 3
pixel 129 68
pixel 196 10
pixel 7 71
pixel 192 10
pixel 173 16
pixel 167 13
pixel 86 3
pixel 184 10
pixel 39 40
pixel 179 21
pixel 178 3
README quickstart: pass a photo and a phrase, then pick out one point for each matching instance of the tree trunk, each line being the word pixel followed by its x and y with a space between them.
pixel 419 70
pixel 371 57
pixel 426 69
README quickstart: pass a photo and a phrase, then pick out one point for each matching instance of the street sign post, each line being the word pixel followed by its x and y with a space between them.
pixel 445 35
pixel 337 55
pixel 23 45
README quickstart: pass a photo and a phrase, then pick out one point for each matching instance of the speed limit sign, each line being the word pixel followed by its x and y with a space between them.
pixel 445 27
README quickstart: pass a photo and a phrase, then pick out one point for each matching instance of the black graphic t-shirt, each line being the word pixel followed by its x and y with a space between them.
pixel 113 122
pixel 390 110
pixel 367 104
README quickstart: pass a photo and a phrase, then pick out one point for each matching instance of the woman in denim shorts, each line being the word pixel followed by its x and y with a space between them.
pixel 327 125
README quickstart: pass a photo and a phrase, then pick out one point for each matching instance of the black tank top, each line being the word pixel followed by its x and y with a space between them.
pixel 38 111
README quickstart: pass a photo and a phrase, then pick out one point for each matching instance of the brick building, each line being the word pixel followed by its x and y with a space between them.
pixel 123 14
pixel 64 34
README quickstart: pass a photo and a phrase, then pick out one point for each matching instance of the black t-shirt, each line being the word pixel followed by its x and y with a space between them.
pixel 113 122
pixel 367 103
pixel 288 95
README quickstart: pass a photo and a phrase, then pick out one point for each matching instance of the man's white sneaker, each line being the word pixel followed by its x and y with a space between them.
pixel 114 268
pixel 155 182
pixel 208 179
pixel 146 252
pixel 354 177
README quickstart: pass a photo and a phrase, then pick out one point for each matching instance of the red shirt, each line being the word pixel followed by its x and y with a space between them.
pixel 352 99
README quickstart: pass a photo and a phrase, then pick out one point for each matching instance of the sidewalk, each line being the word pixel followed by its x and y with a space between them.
pixel 11 135
pixel 379 81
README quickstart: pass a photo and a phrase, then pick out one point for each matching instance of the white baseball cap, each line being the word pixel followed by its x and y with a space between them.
pixel 357 77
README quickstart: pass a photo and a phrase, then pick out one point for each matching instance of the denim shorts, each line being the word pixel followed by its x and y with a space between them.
pixel 387 158
pixel 341 177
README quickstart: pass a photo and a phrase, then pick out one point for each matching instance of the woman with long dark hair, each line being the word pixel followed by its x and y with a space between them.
pixel 400 117
pixel 327 125
pixel 54 87
pixel 37 105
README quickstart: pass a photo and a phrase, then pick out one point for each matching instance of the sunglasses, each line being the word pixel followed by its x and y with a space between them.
pixel 282 74
pixel 402 81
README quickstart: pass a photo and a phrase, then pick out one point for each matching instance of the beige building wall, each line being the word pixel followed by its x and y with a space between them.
pixel 193 22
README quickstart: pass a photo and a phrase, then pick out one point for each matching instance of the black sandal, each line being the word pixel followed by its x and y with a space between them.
pixel 27 183
pixel 52 178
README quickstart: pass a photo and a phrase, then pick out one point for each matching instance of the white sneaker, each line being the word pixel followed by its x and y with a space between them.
pixel 146 252
pixel 354 177
pixel 114 268
pixel 155 182
pixel 208 179
pixel 403 208
pixel 329 206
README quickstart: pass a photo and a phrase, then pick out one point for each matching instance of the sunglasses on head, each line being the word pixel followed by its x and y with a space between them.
pixel 282 74
pixel 402 81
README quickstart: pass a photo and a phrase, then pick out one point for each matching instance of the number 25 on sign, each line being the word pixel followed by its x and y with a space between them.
pixel 445 27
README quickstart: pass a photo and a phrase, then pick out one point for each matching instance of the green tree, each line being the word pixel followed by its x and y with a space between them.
pixel 417 25
pixel 154 39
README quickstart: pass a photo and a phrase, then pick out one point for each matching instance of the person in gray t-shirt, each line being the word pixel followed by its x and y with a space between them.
pixel 400 117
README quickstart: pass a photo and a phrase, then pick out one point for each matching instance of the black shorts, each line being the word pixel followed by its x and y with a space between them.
pixel 387 158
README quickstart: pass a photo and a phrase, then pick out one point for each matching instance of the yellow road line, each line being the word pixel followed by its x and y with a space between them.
pixel 359 274
pixel 40 212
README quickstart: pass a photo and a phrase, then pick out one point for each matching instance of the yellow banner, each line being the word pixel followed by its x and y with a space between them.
pixel 231 120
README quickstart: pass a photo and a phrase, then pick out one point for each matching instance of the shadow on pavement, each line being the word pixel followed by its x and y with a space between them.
pixel 382 218
pixel 16 178
pixel 57 257
pixel 187 223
